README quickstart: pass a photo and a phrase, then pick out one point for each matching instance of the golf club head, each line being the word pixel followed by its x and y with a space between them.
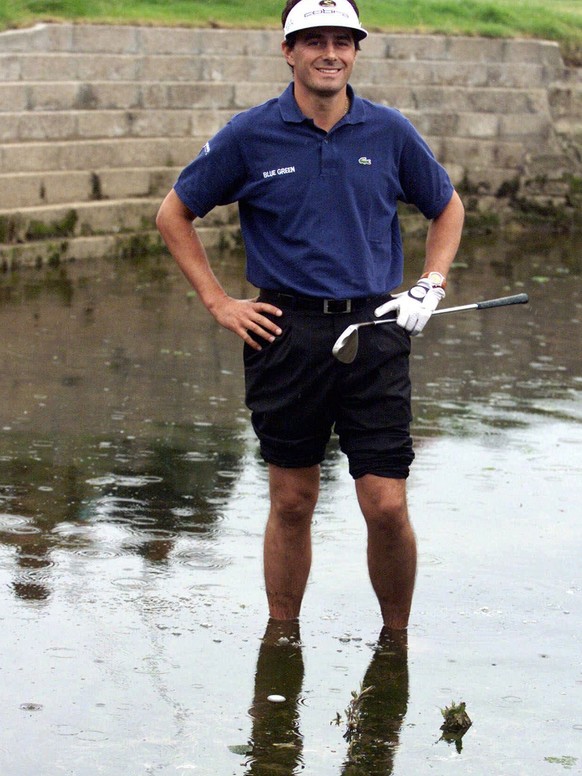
pixel 345 348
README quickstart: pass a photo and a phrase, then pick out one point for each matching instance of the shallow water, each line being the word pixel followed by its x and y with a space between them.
pixel 132 505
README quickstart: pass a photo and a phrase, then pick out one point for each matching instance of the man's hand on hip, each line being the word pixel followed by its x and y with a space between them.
pixel 247 318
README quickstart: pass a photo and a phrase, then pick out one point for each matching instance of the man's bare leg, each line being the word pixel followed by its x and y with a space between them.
pixel 287 549
pixel 391 546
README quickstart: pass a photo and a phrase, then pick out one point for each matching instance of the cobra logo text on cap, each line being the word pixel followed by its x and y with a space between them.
pixel 324 13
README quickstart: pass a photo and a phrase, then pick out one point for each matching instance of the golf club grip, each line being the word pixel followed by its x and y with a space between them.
pixel 503 301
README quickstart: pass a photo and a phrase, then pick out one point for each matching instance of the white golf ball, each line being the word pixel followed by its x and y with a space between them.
pixel 276 698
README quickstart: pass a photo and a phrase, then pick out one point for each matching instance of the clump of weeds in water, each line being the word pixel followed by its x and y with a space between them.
pixel 353 718
pixel 456 723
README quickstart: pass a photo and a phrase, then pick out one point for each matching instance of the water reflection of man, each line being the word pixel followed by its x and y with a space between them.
pixel 318 173
pixel 276 742
pixel 375 741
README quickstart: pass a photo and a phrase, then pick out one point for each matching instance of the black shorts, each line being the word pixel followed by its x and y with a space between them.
pixel 298 392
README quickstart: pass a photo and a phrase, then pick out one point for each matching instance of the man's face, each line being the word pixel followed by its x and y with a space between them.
pixel 322 59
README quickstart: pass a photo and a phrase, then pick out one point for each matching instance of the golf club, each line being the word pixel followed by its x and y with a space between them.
pixel 346 345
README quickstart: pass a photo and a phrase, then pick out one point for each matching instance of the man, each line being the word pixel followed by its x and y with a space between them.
pixel 317 174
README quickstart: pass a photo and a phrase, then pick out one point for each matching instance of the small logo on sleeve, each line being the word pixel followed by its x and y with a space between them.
pixel 365 161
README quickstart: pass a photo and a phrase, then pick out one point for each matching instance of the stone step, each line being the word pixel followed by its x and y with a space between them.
pixel 84 219
pixel 126 40
pixel 457 99
pixel 125 95
pixel 113 124
pixel 34 189
pixel 16 96
pixel 221 68
pixel 83 125
pixel 36 160
pixel 27 197
pixel 91 170
pixel 46 156
pixel 111 246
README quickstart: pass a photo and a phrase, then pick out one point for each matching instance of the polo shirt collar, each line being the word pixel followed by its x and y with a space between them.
pixel 291 113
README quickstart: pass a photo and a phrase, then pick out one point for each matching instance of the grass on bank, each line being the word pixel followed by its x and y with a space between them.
pixel 558 20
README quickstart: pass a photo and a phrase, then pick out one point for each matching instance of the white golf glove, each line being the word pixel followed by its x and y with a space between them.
pixel 414 307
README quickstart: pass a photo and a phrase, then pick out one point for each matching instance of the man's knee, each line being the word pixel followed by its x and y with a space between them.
pixel 294 494
pixel 383 503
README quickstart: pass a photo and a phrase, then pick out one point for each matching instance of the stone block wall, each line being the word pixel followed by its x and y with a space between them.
pixel 96 122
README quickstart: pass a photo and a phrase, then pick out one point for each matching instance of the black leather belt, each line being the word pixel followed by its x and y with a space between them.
pixel 317 304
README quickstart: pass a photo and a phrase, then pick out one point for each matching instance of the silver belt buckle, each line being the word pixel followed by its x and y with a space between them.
pixel 329 304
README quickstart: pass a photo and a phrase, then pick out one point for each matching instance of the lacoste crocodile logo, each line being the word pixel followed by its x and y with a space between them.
pixel 365 161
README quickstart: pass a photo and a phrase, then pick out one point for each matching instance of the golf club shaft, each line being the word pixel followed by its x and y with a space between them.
pixel 502 301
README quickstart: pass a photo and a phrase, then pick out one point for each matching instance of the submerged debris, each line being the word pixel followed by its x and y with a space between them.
pixel 456 723
pixel 353 716
pixel 456 718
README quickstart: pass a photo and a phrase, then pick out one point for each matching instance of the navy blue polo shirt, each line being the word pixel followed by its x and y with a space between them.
pixel 318 209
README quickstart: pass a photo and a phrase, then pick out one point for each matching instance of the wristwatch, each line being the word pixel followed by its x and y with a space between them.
pixel 436 279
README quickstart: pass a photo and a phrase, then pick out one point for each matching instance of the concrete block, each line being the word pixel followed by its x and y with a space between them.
pixel 544 52
pixel 64 96
pixel 469 50
pixel 248 94
pixel 118 152
pixel 18 191
pixel 77 248
pixel 98 154
pixel 164 40
pixel 565 99
pixel 101 217
pixel 415 48
pixel 206 123
pixel 52 188
pixel 123 183
pixel 125 215
pixel 472 151
pixel 106 67
pixel 375 46
pixel 400 97
pixel 480 100
pixel 434 124
pixel 571 130
pixel 108 96
pixel 132 123
pixel 104 38
pixel 482 125
pixel 515 76
pixel 9 67
pixel 21 127
pixel 47 67
pixel 172 68
pixel 263 42
pixel 41 37
pixel 547 166
pixel 14 97
pixel 503 101
pixel 53 96
pixel 187 95
pixel 538 126
pixel 268 69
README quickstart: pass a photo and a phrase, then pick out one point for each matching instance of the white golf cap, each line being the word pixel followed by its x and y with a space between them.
pixel 323 13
